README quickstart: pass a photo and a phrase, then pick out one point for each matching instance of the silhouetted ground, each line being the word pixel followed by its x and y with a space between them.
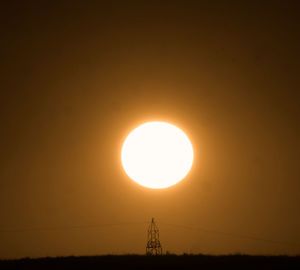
pixel 159 262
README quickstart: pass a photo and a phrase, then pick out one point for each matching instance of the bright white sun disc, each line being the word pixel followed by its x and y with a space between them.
pixel 157 155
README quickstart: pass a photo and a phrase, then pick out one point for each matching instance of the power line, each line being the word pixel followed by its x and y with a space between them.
pixel 229 234
pixel 95 226
pixel 59 228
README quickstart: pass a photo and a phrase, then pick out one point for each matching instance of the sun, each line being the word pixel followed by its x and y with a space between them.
pixel 157 155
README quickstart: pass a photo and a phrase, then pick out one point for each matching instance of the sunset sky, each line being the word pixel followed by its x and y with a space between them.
pixel 76 77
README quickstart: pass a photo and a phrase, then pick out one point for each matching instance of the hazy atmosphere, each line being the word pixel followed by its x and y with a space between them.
pixel 76 77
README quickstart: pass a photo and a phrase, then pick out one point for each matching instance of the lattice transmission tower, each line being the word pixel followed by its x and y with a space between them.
pixel 153 244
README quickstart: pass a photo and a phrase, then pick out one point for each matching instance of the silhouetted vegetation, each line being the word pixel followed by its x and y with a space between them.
pixel 186 261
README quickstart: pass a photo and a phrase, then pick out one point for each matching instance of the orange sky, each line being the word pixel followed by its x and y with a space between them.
pixel 77 78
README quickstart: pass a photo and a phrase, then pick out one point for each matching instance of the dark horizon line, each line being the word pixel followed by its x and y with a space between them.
pixel 167 254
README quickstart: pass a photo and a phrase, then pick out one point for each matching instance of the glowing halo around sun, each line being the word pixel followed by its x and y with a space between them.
pixel 157 155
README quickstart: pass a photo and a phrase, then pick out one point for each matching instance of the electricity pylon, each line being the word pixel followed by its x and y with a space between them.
pixel 153 244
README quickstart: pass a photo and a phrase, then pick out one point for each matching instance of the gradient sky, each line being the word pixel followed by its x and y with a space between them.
pixel 77 77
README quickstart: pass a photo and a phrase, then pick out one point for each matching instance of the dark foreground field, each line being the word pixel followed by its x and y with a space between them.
pixel 161 262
